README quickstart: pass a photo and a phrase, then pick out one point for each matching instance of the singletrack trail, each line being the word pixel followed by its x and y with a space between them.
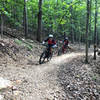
pixel 46 75
pixel 58 61
pixel 50 81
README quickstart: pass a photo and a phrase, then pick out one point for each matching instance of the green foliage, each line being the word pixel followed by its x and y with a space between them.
pixel 19 42
pixel 29 46
pixel 57 17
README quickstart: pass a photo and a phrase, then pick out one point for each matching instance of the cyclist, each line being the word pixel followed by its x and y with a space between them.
pixel 51 42
pixel 65 44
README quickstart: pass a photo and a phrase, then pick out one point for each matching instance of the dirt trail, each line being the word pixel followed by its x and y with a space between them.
pixel 43 82
pixel 57 61
pixel 47 76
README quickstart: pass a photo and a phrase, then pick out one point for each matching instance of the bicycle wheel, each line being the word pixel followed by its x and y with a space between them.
pixel 55 52
pixel 49 56
pixel 42 58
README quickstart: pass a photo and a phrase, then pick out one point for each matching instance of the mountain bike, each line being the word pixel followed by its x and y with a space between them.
pixel 46 55
pixel 61 50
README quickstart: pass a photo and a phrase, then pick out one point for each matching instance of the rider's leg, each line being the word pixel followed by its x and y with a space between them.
pixel 48 50
pixel 63 49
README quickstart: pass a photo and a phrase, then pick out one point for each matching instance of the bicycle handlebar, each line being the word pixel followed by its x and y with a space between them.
pixel 54 46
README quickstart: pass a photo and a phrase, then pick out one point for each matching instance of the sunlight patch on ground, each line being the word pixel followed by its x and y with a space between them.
pixel 65 58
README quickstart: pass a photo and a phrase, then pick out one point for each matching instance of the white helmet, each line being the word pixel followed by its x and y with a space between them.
pixel 50 36
pixel 66 38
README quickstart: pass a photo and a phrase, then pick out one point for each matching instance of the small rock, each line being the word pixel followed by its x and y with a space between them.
pixel 14 88
pixel 5 83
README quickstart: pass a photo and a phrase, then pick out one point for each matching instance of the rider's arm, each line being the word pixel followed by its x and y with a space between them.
pixel 66 42
pixel 46 40
pixel 54 44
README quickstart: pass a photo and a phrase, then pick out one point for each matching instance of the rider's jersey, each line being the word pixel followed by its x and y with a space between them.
pixel 66 42
pixel 50 42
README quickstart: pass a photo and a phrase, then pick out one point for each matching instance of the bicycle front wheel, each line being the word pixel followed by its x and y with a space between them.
pixel 49 57
pixel 42 58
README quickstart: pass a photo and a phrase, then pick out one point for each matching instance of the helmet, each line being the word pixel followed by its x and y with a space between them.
pixel 66 38
pixel 50 36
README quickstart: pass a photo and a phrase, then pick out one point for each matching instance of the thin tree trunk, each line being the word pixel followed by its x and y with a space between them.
pixel 32 21
pixel 64 35
pixel 87 27
pixel 90 24
pixel 57 2
pixel 95 30
pixel 79 41
pixel 2 24
pixel 14 11
pixel 2 19
pixel 25 20
pixel 97 39
pixel 39 30
pixel 72 33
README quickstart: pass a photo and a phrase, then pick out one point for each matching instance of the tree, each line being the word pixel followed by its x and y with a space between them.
pixel 2 24
pixel 54 16
pixel 39 30
pixel 87 27
pixel 71 20
pixel 2 18
pixel 95 30
pixel 25 20
pixel 90 24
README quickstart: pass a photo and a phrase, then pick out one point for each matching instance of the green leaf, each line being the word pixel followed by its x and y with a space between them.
pixel 19 42
pixel 63 21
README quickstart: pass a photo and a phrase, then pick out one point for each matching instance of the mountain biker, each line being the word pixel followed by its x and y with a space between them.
pixel 51 42
pixel 65 44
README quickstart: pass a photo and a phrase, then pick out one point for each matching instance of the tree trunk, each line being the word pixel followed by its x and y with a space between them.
pixel 87 27
pixel 57 2
pixel 2 24
pixel 32 21
pixel 39 30
pixel 72 33
pixel 64 35
pixel 79 41
pixel 2 19
pixel 14 11
pixel 90 24
pixel 95 30
pixel 25 20
pixel 97 39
